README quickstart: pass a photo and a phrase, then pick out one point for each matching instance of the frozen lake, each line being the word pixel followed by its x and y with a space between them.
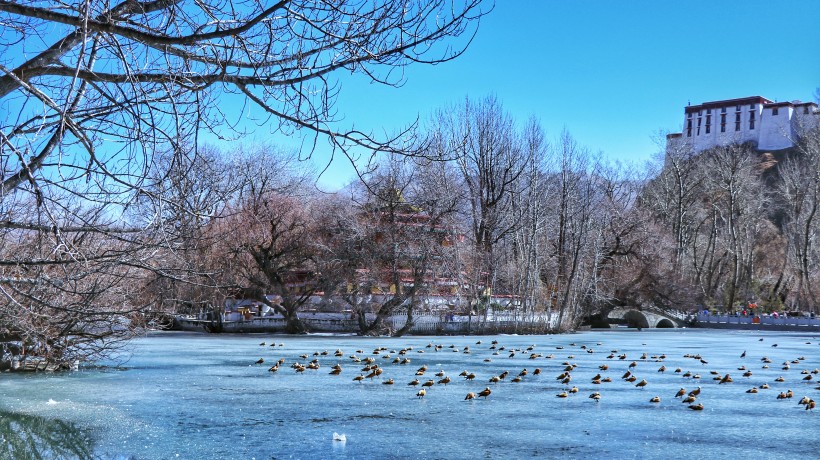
pixel 196 396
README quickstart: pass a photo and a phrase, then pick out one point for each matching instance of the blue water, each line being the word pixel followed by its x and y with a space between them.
pixel 193 396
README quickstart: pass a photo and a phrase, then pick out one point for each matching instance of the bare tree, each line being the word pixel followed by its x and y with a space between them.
pixel 264 241
pixel 483 141
pixel 673 194
pixel 799 196
pixel 395 264
pixel 138 75
pixel 66 295
pixel 402 232
pixel 269 251
pixel 713 208
pixel 522 261
pixel 91 92
pixel 571 211
pixel 190 190
pixel 671 214
pixel 738 201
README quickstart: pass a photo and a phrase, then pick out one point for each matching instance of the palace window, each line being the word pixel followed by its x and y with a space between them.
pixel 774 111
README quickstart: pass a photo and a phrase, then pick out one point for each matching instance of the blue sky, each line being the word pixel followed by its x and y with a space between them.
pixel 613 73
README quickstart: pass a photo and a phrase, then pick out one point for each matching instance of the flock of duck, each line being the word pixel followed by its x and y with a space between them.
pixel 607 370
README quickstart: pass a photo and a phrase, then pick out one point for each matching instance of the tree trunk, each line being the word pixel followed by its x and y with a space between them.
pixel 294 324
pixel 408 324
pixel 377 327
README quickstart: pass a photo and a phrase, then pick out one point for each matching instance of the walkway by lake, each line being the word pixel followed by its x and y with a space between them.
pixel 760 322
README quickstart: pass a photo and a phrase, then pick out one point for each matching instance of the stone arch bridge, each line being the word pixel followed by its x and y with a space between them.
pixel 644 317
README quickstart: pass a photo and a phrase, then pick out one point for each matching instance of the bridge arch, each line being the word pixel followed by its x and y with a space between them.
pixel 665 323
pixel 636 319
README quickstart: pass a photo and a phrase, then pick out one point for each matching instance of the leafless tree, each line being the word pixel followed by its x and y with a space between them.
pixel 713 209
pixel 799 196
pixel 671 213
pixel 485 144
pixel 674 192
pixel 264 241
pixel 139 75
pixel 191 188
pixel 570 231
pixel 196 189
pixel 67 295
pixel 93 95
pixel 737 198
pixel 395 264
pixel 522 262
pixel 271 252
pixel 393 247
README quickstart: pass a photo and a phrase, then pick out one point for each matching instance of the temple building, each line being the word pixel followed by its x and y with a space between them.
pixel 767 124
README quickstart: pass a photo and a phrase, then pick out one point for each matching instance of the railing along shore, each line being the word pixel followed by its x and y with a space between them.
pixel 345 323
pixel 757 322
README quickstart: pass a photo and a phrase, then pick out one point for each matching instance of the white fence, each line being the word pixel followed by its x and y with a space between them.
pixel 464 324
pixel 422 324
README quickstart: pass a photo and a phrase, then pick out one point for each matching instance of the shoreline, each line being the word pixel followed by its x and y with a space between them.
pixel 464 328
pixel 758 327
pixel 344 323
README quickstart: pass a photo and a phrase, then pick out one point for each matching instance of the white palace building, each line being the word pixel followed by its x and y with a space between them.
pixel 768 125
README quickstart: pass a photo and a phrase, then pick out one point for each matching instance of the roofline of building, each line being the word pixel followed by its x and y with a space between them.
pixel 723 103
pixel 789 104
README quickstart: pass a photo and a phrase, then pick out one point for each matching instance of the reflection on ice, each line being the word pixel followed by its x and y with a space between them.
pixel 31 436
